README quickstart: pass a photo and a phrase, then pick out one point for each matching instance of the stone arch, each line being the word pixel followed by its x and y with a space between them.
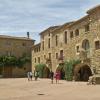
pixel 60 69
pixel 82 72
pixel 46 72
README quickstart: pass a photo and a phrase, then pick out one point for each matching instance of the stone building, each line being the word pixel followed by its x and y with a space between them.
pixel 72 40
pixel 42 52
pixel 15 46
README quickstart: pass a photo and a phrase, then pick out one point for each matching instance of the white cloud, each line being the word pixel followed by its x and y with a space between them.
pixel 20 16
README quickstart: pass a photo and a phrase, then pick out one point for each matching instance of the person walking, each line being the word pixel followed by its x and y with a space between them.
pixel 52 76
pixel 36 75
pixel 57 76
pixel 28 76
pixel 31 75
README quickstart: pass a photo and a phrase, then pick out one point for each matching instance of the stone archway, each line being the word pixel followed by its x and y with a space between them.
pixel 46 72
pixel 82 72
pixel 60 69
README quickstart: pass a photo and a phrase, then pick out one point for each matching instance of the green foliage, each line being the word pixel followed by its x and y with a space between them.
pixel 60 67
pixel 40 69
pixel 13 61
pixel 69 65
pixel 22 60
pixel 7 60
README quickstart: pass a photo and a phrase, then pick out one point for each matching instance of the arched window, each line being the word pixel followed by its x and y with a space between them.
pixel 77 32
pixel 86 45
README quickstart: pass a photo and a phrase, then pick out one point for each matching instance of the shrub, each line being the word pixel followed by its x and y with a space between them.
pixel 40 69
pixel 13 61
pixel 68 67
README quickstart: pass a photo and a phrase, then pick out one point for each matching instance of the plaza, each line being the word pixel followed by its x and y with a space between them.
pixel 69 50
pixel 21 89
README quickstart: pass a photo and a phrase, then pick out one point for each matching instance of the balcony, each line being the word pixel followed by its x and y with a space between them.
pixel 61 58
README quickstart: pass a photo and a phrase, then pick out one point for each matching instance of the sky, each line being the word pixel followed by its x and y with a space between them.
pixel 17 17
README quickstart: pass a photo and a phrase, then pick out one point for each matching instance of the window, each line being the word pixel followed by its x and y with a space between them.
pixel 35 50
pixel 42 45
pixel 56 40
pixel 86 44
pixel 1 70
pixel 56 55
pixel 38 59
pixel 8 43
pixel 77 49
pixel 49 43
pixel 97 45
pixel 23 44
pixel 8 53
pixel 61 54
pixel 77 32
pixel 24 54
pixel 44 56
pixel 49 33
pixel 39 48
pixel 35 60
pixel 42 37
pixel 65 36
pixel 50 56
pixel 87 28
pixel 71 34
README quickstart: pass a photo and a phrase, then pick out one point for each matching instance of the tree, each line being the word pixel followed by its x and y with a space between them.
pixel 40 69
pixel 13 61
pixel 69 66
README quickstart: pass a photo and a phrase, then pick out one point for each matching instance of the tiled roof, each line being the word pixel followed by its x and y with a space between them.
pixel 50 28
pixel 13 37
pixel 79 20
pixel 60 27
pixel 93 9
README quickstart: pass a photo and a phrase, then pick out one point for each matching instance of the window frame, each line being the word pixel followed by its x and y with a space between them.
pixel 56 40
pixel 77 32
pixel 87 27
pixel 71 34
pixel 97 46
pixel 65 37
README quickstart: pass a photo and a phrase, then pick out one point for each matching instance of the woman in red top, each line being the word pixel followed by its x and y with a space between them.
pixel 57 76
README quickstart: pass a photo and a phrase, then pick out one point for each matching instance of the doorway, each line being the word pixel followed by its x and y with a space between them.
pixel 82 72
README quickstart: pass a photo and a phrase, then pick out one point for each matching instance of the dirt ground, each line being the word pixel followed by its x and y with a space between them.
pixel 21 89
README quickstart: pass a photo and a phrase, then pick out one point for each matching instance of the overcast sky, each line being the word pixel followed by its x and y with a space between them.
pixel 19 16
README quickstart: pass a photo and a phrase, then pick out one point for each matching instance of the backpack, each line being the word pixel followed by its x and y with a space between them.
pixel 36 74
pixel 31 74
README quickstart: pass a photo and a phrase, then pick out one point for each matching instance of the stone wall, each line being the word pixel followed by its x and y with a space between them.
pixel 70 48
pixel 16 46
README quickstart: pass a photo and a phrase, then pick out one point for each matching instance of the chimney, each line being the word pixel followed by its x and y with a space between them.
pixel 28 35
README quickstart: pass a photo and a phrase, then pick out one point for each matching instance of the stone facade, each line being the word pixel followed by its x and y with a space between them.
pixel 71 40
pixel 15 46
